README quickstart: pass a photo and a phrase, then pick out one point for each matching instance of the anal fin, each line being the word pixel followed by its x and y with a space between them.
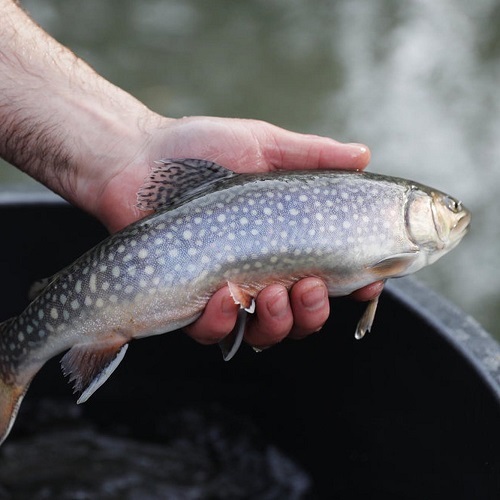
pixel 89 366
pixel 241 297
pixel 230 344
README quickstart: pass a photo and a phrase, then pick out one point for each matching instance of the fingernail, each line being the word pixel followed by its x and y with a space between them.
pixel 356 146
pixel 279 305
pixel 357 149
pixel 314 298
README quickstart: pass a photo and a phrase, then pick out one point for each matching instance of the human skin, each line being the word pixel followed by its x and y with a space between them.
pixel 93 144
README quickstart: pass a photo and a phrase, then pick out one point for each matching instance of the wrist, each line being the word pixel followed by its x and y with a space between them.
pixel 61 122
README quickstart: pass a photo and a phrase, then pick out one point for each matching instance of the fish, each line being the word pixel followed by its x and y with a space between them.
pixel 208 227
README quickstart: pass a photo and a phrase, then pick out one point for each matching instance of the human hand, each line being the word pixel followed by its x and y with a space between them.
pixel 243 146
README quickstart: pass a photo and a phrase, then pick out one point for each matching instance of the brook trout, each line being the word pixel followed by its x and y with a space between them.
pixel 213 227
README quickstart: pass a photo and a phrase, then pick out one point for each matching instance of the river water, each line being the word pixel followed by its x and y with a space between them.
pixel 416 80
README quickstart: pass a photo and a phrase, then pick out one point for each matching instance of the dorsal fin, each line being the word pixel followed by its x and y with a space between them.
pixel 173 181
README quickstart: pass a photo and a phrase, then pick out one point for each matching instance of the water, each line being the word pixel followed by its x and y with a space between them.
pixel 195 455
pixel 416 80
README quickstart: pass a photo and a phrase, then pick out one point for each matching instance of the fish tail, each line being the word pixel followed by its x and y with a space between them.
pixel 11 394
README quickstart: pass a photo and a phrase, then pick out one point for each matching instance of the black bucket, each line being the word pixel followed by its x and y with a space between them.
pixel 412 411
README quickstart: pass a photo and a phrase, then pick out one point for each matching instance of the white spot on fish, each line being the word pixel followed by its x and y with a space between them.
pixel 116 271
pixel 53 313
pixel 121 249
pixel 113 298
pixel 150 269
pixel 66 314
pixel 187 234
pixel 173 252
pixel 78 286
pixel 221 218
pixel 143 253
pixel 93 283
pixel 131 271
pixel 129 289
pixel 99 302
pixel 75 304
pixel 88 301
pixel 303 197
pixel 40 314
pixel 127 257
pixel 294 211
pixel 105 285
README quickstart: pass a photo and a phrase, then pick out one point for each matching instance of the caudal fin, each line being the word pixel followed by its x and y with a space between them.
pixel 11 396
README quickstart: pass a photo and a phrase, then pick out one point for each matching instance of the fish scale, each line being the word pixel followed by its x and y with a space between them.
pixel 214 228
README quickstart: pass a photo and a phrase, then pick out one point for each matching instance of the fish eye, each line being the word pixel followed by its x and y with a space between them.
pixel 452 204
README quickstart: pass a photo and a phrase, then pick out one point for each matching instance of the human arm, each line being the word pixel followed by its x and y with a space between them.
pixel 93 144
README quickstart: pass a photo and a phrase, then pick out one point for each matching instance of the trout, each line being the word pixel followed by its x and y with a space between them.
pixel 211 227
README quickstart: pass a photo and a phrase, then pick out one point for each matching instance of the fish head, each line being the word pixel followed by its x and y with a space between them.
pixel 436 222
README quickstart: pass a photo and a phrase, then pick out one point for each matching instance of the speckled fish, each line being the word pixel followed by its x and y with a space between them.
pixel 213 227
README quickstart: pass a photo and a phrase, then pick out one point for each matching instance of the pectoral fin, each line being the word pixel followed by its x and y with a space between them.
pixel 394 265
pixel 366 321
pixel 89 366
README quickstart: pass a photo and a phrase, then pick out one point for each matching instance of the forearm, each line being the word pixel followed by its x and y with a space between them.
pixel 57 115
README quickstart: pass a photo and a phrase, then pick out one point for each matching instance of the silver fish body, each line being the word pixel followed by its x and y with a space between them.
pixel 156 275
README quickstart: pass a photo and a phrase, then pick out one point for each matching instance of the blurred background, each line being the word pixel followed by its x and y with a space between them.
pixel 415 80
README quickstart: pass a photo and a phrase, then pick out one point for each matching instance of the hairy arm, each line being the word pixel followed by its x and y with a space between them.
pixel 60 122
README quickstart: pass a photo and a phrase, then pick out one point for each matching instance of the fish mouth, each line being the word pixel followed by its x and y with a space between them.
pixel 462 225
pixel 459 230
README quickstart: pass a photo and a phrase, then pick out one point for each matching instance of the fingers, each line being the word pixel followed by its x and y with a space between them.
pixel 297 316
pixel 290 150
pixel 277 314
pixel 217 320
pixel 369 292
